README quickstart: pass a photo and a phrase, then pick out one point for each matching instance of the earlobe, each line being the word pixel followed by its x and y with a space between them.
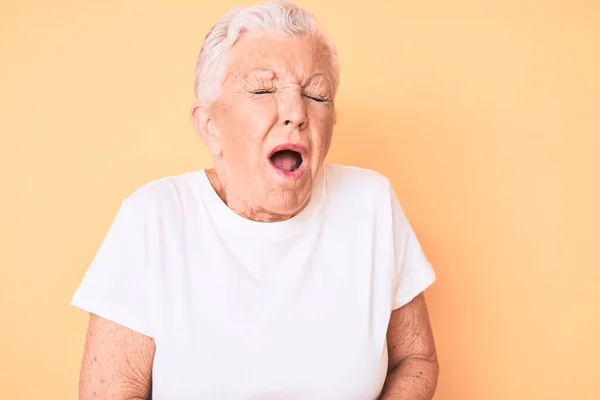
pixel 204 127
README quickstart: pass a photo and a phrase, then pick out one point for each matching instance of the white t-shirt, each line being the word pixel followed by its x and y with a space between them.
pixel 240 309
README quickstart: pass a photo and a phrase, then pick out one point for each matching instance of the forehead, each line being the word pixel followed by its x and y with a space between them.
pixel 290 58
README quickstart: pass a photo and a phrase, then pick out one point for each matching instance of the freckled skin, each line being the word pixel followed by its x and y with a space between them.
pixel 240 130
pixel 117 363
pixel 413 365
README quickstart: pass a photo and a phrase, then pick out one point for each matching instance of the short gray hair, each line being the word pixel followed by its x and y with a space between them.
pixel 274 17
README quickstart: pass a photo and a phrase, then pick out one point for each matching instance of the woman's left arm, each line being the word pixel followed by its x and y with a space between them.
pixel 413 366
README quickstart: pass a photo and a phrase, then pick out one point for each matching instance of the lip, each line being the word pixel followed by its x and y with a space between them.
pixel 291 175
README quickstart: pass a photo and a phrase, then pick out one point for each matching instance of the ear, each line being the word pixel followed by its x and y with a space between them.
pixel 205 129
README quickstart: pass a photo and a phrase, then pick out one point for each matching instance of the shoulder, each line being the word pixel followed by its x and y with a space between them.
pixel 166 194
pixel 357 182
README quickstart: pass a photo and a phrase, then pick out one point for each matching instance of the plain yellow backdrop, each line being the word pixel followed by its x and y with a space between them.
pixel 484 115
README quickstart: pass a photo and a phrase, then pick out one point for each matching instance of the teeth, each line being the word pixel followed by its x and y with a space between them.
pixel 298 163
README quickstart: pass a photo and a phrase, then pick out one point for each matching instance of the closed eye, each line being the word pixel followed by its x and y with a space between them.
pixel 262 91
pixel 317 99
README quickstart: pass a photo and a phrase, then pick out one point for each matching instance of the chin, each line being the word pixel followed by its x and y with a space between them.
pixel 287 202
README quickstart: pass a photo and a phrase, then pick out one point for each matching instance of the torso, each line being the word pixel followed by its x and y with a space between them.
pixel 291 310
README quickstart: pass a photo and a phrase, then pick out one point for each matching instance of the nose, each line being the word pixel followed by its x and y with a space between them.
pixel 293 111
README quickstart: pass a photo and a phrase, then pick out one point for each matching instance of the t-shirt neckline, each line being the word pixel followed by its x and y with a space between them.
pixel 280 230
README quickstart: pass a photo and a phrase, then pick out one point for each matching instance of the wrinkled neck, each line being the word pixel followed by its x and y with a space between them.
pixel 237 204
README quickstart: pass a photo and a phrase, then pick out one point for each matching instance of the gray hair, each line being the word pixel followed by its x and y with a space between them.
pixel 274 17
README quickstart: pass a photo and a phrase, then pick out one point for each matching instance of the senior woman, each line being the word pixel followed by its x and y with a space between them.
pixel 272 275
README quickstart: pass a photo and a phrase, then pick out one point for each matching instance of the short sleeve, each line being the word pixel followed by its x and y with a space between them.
pixel 413 272
pixel 114 286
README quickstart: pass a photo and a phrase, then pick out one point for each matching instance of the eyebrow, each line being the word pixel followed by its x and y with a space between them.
pixel 273 75
pixel 317 75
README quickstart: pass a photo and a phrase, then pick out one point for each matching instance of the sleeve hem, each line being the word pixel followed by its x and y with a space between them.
pixel 419 286
pixel 111 312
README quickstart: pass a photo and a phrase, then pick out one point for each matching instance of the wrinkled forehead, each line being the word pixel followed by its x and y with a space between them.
pixel 293 59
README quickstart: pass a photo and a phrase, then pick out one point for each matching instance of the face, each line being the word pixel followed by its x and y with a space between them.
pixel 271 127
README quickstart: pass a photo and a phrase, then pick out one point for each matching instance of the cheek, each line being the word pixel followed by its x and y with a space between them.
pixel 322 128
pixel 260 117
pixel 249 124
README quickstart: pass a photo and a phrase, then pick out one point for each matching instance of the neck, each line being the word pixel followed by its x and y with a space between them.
pixel 238 205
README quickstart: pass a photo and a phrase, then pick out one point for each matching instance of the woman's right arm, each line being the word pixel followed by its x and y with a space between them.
pixel 117 362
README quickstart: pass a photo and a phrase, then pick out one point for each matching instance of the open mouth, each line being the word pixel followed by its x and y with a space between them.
pixel 289 160
pixel 286 160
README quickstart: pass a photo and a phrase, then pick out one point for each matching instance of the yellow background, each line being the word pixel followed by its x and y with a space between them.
pixel 485 116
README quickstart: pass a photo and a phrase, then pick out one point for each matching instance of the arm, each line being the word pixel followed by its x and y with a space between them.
pixel 117 363
pixel 413 366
